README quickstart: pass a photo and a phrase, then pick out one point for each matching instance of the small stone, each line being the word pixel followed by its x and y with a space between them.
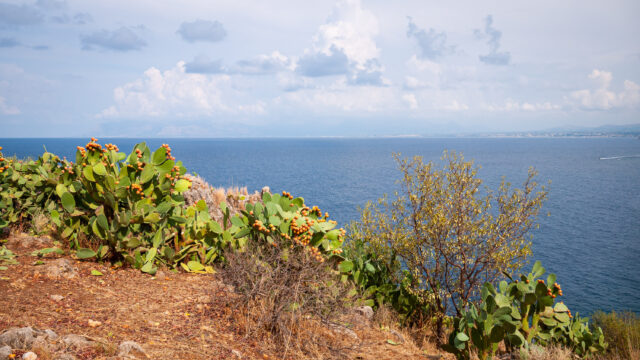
pixel 5 351
pixel 26 241
pixel 56 297
pixel 204 299
pixel 65 357
pixel 51 334
pixel 364 311
pixel 94 323
pixel 131 349
pixel 18 338
pixel 76 341
pixel 343 330
pixel 399 337
pixel 237 353
pixel 29 356
pixel 160 275
pixel 60 268
pixel 40 343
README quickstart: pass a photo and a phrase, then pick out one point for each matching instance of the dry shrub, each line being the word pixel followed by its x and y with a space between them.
pixel 40 223
pixel 235 197
pixel 552 352
pixel 622 331
pixel 289 301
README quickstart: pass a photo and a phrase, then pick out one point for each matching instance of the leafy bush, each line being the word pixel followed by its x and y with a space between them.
pixel 26 188
pixel 622 331
pixel 520 313
pixel 376 279
pixel 449 237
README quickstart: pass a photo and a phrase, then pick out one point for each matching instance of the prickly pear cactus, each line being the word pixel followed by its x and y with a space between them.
pixel 521 312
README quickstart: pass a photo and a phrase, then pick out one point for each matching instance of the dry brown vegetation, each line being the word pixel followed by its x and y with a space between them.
pixel 173 315
pixel 235 197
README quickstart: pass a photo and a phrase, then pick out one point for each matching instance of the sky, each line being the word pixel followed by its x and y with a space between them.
pixel 218 68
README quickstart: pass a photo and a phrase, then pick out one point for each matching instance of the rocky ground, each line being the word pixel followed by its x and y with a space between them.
pixel 59 308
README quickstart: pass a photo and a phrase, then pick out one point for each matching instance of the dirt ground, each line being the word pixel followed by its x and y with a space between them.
pixel 171 315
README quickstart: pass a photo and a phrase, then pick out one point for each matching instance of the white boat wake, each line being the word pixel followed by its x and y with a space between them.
pixel 619 157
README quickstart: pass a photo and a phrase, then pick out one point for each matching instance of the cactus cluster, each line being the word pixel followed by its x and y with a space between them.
pixel 282 220
pixel 133 205
pixel 522 312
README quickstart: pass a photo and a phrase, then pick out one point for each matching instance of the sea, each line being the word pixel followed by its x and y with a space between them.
pixel 589 227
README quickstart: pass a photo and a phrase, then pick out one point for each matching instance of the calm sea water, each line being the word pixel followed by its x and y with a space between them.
pixel 591 239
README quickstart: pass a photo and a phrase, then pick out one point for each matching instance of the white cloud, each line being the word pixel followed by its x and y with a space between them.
pixel 175 92
pixel 6 109
pixel 345 46
pixel 601 97
pixel 493 36
pixel 264 64
pixel 454 105
pixel 411 100
pixel 351 29
pixel 202 30
pixel 432 43
pixel 122 39
pixel 412 83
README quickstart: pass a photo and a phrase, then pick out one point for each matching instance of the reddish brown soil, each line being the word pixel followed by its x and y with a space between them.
pixel 171 318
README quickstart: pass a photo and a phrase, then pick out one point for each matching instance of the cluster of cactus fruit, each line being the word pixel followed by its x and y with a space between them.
pixel 133 205
pixel 520 313
pixel 282 220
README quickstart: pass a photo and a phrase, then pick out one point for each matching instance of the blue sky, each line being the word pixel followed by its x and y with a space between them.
pixel 296 68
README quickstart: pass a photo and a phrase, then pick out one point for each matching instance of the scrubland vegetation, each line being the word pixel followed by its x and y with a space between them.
pixel 439 259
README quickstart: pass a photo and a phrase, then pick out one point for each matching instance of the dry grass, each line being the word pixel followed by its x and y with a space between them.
pixel 235 197
pixel 622 332
pixel 547 353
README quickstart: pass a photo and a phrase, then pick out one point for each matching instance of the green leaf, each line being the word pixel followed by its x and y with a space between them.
pixel 159 156
pixel 55 217
pixel 147 174
pixel 46 251
pixel 497 333
pixel 151 255
pixel 462 337
pixel 346 266
pixel 149 268
pixel 237 221
pixel 99 169
pixel 60 189
pixel 201 205
pixel 68 202
pixel 368 267
pixel 152 218
pixel 391 342
pixel 84 253
pixel 195 266
pixel 96 273
pixel 88 173
pixel 182 185
pixel 103 222
pixel 530 298
pixel 560 307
